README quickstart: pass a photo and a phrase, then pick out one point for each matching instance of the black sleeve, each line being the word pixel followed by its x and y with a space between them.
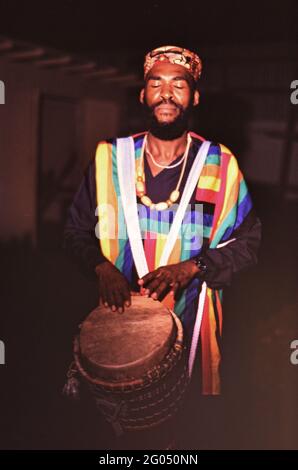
pixel 223 263
pixel 80 241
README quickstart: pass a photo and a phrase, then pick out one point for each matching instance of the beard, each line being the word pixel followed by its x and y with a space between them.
pixel 168 130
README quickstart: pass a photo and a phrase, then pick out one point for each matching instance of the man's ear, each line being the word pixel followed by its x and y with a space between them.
pixel 196 98
pixel 142 94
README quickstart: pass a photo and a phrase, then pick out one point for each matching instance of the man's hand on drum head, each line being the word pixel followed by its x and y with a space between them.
pixel 167 279
pixel 114 289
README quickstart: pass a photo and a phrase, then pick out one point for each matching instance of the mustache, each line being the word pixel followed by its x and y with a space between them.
pixel 169 102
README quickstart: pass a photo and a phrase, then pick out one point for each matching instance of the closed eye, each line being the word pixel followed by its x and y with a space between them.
pixel 178 83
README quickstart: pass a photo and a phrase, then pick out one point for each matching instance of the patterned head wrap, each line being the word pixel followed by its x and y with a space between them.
pixel 174 55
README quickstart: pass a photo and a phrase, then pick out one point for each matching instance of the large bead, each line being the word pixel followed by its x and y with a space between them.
pixel 174 195
pixel 161 206
pixel 140 171
pixel 140 187
pixel 146 200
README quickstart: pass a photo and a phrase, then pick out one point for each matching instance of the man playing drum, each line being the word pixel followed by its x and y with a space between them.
pixel 167 213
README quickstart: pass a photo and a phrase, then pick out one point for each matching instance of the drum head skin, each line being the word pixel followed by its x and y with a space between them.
pixel 121 346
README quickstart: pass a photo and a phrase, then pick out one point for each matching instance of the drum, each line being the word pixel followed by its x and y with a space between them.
pixel 133 363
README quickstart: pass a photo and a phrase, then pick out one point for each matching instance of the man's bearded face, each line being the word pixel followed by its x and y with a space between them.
pixel 169 99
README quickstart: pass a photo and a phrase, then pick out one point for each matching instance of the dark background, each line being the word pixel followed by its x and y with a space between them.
pixel 54 114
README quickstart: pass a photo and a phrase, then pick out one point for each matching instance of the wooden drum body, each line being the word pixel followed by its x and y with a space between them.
pixel 134 363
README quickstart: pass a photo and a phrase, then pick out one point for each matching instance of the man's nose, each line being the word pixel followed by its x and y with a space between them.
pixel 166 92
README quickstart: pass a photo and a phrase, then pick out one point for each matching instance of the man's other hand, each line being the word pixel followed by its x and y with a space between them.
pixel 171 278
pixel 114 289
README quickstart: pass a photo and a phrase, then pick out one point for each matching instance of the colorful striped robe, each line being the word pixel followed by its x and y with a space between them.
pixel 221 183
